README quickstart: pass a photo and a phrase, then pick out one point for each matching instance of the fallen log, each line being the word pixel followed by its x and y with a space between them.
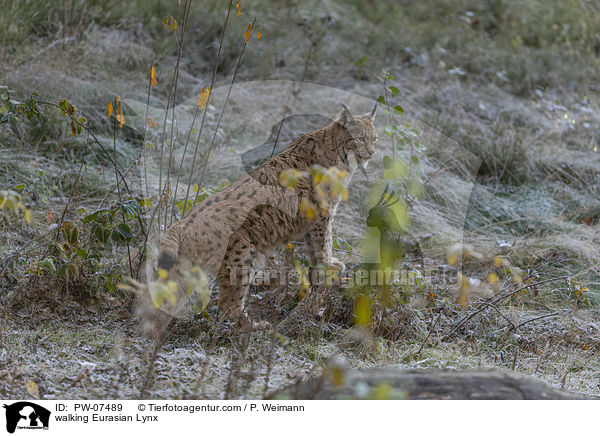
pixel 338 383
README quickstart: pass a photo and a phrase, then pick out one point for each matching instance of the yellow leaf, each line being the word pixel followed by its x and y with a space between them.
pixel 163 274
pixel 345 194
pixel 362 310
pixel 465 288
pixel 500 261
pixel 454 253
pixel 517 274
pixel 110 110
pixel 307 209
pixel 290 177
pixel 151 122
pixel 120 117
pixel 195 187
pixel 247 33
pixel 27 215
pixel 173 24
pixel 239 8
pixel 166 22
pixel 381 391
pixel 258 35
pixel 283 340
pixel 337 376
pixel 32 388
pixel 153 77
pixel 203 98
pixel 493 278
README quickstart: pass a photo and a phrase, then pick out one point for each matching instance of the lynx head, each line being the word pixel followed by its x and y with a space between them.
pixel 356 140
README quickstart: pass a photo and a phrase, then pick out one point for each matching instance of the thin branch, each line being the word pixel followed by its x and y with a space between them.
pixel 535 319
pixel 429 334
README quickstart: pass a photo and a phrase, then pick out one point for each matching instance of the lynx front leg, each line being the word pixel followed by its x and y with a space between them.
pixel 320 244
pixel 234 279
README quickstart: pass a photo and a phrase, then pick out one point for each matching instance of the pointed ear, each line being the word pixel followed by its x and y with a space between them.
pixel 346 117
pixel 373 112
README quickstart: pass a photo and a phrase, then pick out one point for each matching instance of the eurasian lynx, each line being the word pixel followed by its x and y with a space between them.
pixel 227 232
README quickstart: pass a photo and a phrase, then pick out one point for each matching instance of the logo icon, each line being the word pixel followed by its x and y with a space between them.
pixel 26 415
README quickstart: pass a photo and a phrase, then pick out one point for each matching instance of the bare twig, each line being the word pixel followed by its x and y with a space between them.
pixel 64 212
pixel 499 313
pixel 270 359
pixel 535 319
pixel 429 334
pixel 514 362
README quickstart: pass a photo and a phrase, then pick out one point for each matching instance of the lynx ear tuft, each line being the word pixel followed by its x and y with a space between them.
pixel 373 112
pixel 346 116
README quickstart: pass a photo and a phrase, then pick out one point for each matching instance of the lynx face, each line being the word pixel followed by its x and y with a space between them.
pixel 359 145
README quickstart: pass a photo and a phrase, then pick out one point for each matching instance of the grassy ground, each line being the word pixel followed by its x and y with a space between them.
pixel 504 94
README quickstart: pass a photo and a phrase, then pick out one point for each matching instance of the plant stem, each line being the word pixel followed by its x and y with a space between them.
pixel 212 82
pixel 212 143
pixel 186 11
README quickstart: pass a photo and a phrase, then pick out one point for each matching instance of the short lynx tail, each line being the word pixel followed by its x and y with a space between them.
pixel 169 251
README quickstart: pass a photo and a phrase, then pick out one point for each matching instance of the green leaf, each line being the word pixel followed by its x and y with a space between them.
pixel 415 159
pixel 381 99
pixel 116 236
pixel 125 231
pixel 101 233
pixel 395 91
pixel 93 216
pixel 420 146
pixel 109 285
pixel 399 109
pixel 47 265
pixel 55 248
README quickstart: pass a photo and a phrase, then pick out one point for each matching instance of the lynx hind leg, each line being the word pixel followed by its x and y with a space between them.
pixel 234 279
